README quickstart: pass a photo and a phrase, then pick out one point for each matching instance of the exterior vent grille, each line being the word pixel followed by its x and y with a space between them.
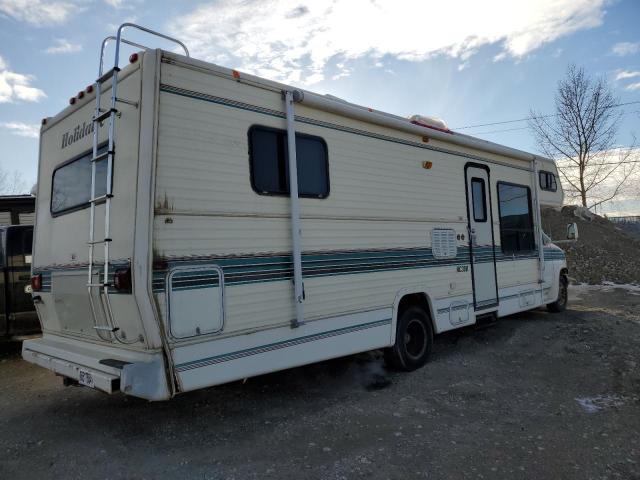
pixel 443 243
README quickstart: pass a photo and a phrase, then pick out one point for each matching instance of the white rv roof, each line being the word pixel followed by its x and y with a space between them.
pixel 337 105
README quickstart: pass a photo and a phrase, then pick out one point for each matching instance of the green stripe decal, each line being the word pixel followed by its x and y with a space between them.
pixel 247 269
pixel 243 270
pixel 204 362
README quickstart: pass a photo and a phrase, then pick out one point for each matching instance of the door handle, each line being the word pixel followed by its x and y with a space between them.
pixel 472 236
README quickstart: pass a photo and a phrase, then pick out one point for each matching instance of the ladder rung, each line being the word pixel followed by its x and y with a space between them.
pixel 96 242
pixel 102 156
pixel 98 285
pixel 109 329
pixel 104 115
pixel 101 198
pixel 108 74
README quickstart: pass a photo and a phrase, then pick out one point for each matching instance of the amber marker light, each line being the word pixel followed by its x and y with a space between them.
pixel 427 165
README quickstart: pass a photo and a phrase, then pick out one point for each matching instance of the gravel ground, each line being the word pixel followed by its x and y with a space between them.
pixel 535 396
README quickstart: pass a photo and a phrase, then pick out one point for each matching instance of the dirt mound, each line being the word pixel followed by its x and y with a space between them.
pixel 632 228
pixel 603 252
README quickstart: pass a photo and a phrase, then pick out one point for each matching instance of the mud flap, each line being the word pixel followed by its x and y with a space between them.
pixel 147 380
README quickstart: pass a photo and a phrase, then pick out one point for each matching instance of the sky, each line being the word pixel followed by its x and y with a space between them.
pixel 467 62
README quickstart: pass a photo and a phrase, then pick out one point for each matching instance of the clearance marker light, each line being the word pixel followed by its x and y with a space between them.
pixel 72 100
pixel 80 94
pixel 427 165
pixel 236 74
pixel 133 58
pixel 36 282
pixel 89 89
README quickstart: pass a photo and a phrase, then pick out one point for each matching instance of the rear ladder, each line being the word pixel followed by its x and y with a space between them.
pixel 99 279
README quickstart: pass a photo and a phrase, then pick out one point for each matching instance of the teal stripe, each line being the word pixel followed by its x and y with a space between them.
pixel 243 270
pixel 203 362
pixel 264 268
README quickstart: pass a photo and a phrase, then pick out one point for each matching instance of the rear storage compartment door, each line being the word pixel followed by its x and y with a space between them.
pixel 195 301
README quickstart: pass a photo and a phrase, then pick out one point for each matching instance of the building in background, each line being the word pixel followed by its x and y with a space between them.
pixel 17 209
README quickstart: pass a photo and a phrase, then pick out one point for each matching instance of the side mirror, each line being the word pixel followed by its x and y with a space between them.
pixel 572 231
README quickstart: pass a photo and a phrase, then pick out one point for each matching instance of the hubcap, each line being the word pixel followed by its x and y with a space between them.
pixel 415 338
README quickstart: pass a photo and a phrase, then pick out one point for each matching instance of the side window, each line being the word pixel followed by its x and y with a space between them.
pixel 478 197
pixel 548 181
pixel 71 184
pixel 269 162
pixel 516 218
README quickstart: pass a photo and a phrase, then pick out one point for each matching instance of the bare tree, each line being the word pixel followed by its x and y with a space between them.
pixel 11 183
pixel 581 137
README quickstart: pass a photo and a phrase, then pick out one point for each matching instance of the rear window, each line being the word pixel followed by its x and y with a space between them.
pixel 71 184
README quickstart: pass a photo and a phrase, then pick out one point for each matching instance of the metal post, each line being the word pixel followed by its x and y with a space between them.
pixel 538 219
pixel 295 212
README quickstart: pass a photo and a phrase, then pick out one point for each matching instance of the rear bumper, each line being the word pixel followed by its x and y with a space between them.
pixel 113 370
pixel 106 382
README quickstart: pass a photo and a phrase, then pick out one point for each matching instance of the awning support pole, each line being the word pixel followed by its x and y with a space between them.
pixel 538 220
pixel 296 231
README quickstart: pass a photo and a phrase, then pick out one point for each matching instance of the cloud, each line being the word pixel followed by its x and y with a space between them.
pixel 625 74
pixel 22 129
pixel 295 40
pixel 633 86
pixel 40 12
pixel 62 45
pixel 17 86
pixel 625 48
pixel 114 3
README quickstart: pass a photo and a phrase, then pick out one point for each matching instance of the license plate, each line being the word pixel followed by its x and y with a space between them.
pixel 85 378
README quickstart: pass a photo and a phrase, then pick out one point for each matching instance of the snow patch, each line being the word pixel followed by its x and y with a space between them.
pixel 600 402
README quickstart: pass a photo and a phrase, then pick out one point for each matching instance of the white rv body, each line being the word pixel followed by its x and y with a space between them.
pixel 213 297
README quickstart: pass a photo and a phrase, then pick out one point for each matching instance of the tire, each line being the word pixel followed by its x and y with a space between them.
pixel 560 305
pixel 414 339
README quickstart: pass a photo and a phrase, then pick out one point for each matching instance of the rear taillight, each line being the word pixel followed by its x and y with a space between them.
pixel 122 279
pixel 36 283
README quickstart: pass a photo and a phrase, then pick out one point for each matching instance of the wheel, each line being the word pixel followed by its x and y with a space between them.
pixel 414 338
pixel 560 305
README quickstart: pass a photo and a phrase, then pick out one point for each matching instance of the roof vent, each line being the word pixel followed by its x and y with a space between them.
pixel 429 122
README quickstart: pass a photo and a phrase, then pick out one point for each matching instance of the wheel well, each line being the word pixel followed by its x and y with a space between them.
pixel 415 300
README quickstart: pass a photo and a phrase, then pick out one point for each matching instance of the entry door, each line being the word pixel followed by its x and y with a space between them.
pixel 481 242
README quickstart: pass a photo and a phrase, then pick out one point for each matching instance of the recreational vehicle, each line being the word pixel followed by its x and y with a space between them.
pixel 170 254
